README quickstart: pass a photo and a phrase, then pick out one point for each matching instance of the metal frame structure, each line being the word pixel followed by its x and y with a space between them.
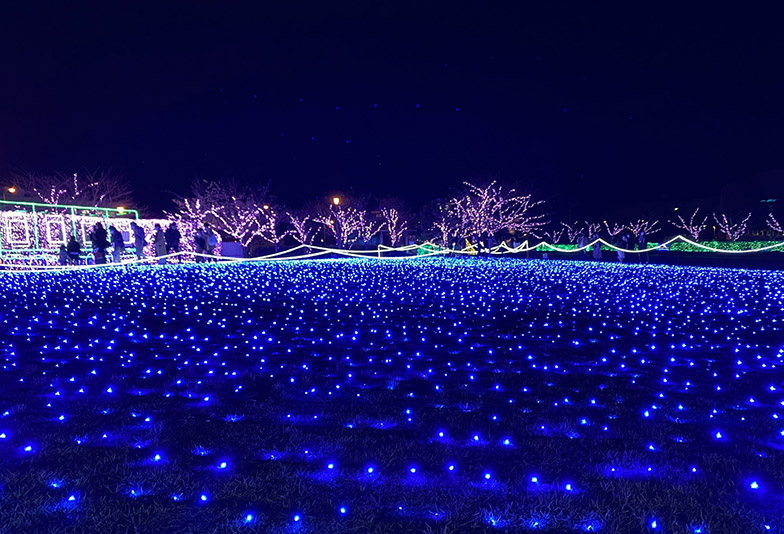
pixel 29 213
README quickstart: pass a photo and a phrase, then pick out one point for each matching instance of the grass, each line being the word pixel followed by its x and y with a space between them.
pixel 531 379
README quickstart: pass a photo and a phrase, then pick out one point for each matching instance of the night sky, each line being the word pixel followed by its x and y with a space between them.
pixel 586 107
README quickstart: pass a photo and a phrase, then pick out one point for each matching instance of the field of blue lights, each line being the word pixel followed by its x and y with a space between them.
pixel 430 395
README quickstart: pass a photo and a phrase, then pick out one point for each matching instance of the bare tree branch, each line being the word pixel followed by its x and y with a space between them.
pixel 733 230
pixel 694 227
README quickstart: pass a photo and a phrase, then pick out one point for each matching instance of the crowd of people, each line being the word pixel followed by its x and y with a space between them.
pixel 624 241
pixel 110 246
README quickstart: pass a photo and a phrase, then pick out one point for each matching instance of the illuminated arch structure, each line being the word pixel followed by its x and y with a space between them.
pixel 31 233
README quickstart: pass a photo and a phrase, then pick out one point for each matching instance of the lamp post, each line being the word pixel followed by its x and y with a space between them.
pixel 11 190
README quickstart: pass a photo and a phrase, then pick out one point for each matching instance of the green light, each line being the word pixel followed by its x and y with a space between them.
pixel 427 248
pixel 34 210
pixel 34 205
pixel 727 246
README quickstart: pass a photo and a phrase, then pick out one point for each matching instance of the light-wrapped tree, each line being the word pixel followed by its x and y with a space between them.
pixel 395 225
pixel 447 225
pixel 344 223
pixel 228 208
pixel 773 224
pixel 573 230
pixel 642 225
pixel 615 229
pixel 554 236
pixel 303 229
pixel 485 211
pixel 269 224
pixel 693 227
pixel 593 229
pixel 99 188
pixel 732 227
pixel 367 227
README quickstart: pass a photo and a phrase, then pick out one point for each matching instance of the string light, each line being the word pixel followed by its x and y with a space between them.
pixel 564 341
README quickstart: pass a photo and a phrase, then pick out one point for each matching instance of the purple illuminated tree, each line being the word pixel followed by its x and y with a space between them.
pixel 367 227
pixel 447 225
pixel 642 225
pixel 94 189
pixel 554 236
pixel 615 229
pixel 190 211
pixel 344 223
pixel 303 229
pixel 229 209
pixel 732 227
pixel 485 211
pixel 593 228
pixel 190 216
pixel 269 223
pixel 572 230
pixel 773 224
pixel 395 225
pixel 693 227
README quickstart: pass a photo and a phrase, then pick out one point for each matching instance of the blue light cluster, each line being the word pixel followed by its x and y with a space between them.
pixel 503 380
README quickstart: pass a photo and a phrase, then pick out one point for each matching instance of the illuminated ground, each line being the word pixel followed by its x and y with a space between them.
pixel 394 396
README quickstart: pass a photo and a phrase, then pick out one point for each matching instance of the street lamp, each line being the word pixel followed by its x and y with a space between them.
pixel 336 201
pixel 11 190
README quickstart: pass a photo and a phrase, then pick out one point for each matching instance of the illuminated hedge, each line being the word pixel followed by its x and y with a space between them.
pixel 726 245
pixel 687 247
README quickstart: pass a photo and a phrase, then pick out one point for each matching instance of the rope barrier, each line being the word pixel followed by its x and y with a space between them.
pixel 315 251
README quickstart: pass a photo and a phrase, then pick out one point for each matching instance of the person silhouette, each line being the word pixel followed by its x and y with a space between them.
pixel 74 250
pixel 118 244
pixel 172 236
pixel 138 240
pixel 100 243
pixel 159 240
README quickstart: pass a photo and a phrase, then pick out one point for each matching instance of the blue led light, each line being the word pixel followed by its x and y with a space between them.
pixel 344 357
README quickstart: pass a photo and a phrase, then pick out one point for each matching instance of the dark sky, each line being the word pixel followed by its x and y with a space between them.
pixel 402 98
